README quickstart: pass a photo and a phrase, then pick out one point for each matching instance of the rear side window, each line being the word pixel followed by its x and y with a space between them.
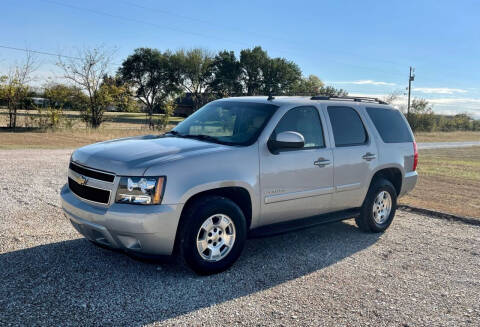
pixel 306 121
pixel 390 125
pixel 347 126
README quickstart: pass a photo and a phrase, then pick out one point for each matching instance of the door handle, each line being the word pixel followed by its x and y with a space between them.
pixel 369 156
pixel 321 162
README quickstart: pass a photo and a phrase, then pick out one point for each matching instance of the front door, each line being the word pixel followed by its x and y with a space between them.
pixel 297 183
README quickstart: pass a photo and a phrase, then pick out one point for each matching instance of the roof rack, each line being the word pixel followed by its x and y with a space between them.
pixel 347 98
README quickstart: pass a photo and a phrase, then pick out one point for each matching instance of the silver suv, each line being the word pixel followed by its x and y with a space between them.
pixel 240 167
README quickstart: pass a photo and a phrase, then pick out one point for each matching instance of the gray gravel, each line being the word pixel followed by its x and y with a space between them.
pixel 422 272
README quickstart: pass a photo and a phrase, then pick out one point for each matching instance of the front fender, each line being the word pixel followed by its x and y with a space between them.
pixel 227 183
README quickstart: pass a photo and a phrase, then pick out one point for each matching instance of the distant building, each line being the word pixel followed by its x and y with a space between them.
pixel 40 102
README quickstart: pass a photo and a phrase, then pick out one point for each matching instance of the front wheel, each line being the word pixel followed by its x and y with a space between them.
pixel 379 207
pixel 213 235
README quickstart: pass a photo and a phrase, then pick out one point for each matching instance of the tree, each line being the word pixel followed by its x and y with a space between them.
pixel 311 85
pixel 59 97
pixel 420 106
pixel 476 125
pixel 87 72
pixel 153 75
pixel 392 97
pixel 120 93
pixel 421 116
pixel 332 92
pixel 14 88
pixel 253 63
pixel 196 73
pixel 227 71
pixel 62 96
pixel 280 76
pixel 463 122
pixel 168 108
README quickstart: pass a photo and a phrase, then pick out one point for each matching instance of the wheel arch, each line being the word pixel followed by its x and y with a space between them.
pixel 240 195
pixel 393 174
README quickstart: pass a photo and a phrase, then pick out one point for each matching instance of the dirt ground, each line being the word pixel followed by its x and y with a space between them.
pixel 449 181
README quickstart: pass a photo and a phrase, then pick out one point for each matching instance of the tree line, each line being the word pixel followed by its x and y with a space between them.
pixel 159 77
pixel 422 119
pixel 152 80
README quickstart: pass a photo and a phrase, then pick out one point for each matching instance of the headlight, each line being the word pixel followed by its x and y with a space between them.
pixel 140 190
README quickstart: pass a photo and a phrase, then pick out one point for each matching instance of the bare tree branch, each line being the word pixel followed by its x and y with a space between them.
pixel 88 73
pixel 15 86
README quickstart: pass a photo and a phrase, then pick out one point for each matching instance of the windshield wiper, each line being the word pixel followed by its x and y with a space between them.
pixel 202 137
pixel 172 132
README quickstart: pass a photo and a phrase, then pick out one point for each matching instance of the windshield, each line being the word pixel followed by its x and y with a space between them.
pixel 226 122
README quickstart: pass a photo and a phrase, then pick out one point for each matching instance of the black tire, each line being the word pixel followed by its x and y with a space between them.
pixel 366 221
pixel 195 215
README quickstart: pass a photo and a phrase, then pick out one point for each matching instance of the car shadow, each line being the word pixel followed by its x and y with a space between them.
pixel 75 282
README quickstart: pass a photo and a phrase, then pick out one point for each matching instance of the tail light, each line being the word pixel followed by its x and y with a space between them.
pixel 415 156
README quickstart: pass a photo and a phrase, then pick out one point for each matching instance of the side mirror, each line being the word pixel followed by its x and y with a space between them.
pixel 286 140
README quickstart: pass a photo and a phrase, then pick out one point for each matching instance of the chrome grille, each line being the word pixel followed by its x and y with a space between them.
pixel 88 172
pixel 89 193
pixel 91 185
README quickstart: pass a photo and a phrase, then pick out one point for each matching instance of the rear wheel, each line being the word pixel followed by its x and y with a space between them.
pixel 379 206
pixel 213 234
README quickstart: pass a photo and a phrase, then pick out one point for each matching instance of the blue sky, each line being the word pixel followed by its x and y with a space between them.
pixel 365 47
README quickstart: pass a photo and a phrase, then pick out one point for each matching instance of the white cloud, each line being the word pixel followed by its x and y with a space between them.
pixel 370 82
pixel 443 106
pixel 438 90
pixel 365 82
pixel 455 101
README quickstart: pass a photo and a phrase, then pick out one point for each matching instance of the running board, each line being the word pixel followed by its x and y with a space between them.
pixel 288 226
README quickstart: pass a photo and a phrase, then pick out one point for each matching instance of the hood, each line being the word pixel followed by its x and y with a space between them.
pixel 132 156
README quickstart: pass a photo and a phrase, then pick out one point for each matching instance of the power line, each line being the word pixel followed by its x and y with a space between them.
pixel 39 52
pixel 147 23
pixel 233 28
pixel 124 18
pixel 194 19
pixel 162 27
pixel 48 53
pixel 78 58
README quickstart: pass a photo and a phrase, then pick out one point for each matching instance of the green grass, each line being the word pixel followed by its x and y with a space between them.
pixel 461 162
pixel 456 136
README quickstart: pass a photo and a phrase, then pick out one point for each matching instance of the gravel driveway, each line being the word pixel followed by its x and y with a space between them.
pixel 422 272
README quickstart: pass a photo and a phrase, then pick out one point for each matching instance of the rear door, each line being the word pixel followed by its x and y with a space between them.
pixel 297 183
pixel 354 154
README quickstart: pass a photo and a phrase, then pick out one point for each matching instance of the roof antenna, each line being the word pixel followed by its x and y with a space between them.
pixel 270 97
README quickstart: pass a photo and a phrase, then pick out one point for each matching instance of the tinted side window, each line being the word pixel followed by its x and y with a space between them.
pixel 347 126
pixel 390 125
pixel 306 121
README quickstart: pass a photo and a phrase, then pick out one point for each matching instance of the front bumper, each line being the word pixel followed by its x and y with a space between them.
pixel 409 182
pixel 148 229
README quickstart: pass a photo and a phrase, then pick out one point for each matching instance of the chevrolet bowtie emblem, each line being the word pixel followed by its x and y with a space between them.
pixel 82 180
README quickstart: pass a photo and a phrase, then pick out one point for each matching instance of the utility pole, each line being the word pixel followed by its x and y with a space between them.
pixel 411 78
